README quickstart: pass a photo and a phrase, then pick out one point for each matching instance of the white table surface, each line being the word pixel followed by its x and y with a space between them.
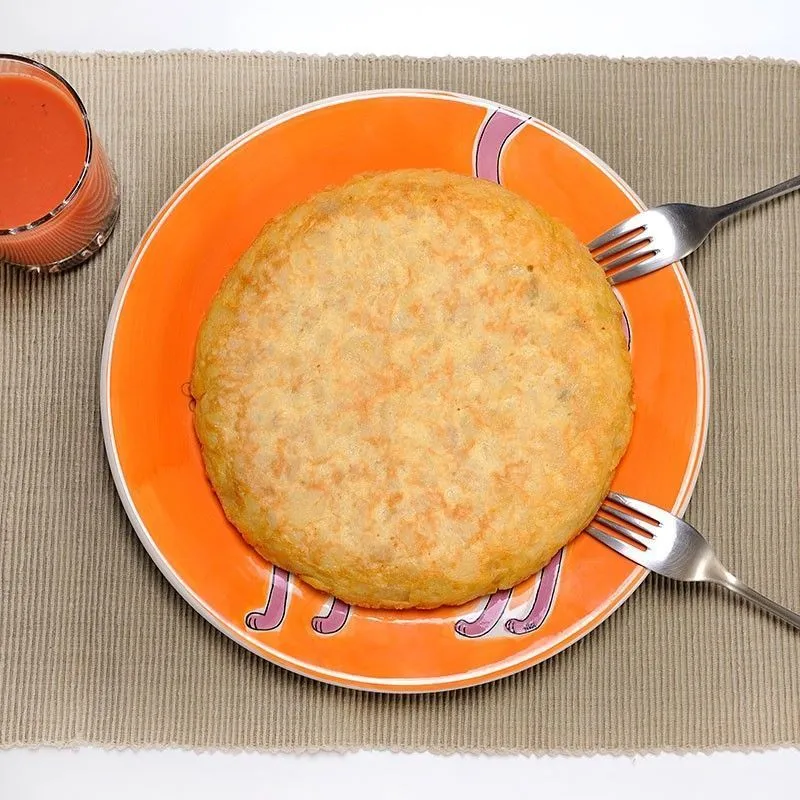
pixel 710 28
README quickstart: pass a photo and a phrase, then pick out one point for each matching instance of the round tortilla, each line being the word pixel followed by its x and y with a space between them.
pixel 413 389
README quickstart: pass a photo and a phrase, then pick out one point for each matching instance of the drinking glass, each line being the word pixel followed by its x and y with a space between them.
pixel 58 207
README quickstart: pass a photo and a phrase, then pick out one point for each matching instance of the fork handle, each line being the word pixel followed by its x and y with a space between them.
pixel 737 206
pixel 743 590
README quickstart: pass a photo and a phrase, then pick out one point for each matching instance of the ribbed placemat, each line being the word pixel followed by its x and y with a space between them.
pixel 96 647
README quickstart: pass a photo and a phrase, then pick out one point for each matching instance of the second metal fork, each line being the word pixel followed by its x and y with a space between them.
pixel 665 234
pixel 666 544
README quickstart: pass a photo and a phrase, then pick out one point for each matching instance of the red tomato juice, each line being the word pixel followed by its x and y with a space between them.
pixel 45 144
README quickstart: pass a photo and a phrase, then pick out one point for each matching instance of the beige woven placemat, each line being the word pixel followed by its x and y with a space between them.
pixel 96 647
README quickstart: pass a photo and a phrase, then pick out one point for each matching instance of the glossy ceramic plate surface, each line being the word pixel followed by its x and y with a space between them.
pixel 147 415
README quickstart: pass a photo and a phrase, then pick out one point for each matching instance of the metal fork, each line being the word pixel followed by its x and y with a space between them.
pixel 666 544
pixel 665 234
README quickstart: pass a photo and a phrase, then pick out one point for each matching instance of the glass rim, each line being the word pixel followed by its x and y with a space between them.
pixel 87 160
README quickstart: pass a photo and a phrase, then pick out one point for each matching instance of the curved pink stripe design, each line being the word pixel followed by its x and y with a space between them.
pixel 487 619
pixel 275 610
pixel 491 139
pixel 542 602
pixel 334 620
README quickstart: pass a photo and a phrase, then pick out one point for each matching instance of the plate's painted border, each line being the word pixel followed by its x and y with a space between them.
pixel 399 685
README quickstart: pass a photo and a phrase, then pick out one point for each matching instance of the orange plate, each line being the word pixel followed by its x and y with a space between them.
pixel 147 417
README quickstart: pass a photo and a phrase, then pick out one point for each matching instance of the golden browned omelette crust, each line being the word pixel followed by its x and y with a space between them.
pixel 412 390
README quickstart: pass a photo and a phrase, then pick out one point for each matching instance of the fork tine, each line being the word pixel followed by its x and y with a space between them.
pixel 622 228
pixel 656 514
pixel 643 525
pixel 646 249
pixel 623 548
pixel 651 264
pixel 634 534
pixel 625 244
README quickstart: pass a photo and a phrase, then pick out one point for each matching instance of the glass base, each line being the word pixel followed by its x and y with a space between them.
pixel 83 255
